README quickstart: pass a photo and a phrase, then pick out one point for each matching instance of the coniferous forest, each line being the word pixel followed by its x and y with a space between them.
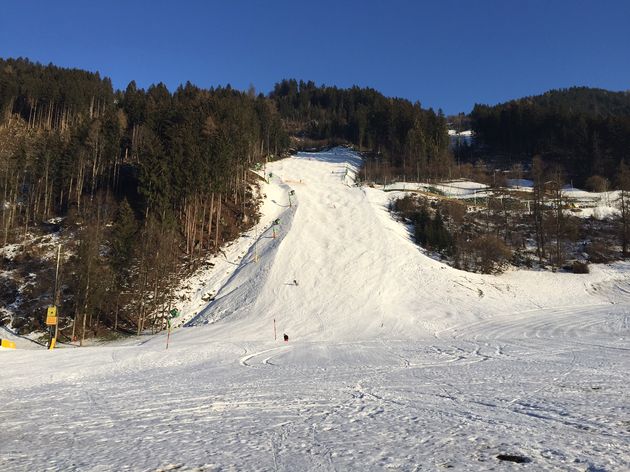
pixel 140 185
pixel 403 138
pixel 586 131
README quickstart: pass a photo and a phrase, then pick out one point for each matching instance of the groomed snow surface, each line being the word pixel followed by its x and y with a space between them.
pixel 395 361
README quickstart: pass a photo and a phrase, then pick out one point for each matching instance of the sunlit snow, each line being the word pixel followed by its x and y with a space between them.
pixel 395 361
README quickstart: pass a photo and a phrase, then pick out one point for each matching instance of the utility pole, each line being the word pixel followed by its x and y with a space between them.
pixel 52 317
pixel 56 296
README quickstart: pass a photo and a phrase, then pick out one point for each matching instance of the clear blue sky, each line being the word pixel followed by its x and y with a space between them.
pixel 444 53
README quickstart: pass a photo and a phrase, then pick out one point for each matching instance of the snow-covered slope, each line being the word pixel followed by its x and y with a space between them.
pixel 395 361
pixel 358 273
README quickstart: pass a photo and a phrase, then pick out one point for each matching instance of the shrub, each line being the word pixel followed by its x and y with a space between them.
pixel 432 233
pixel 486 254
pixel 579 267
pixel 597 183
pixel 599 253
pixel 454 210
pixel 405 206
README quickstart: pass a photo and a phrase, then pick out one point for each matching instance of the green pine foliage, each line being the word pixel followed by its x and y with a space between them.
pixel 404 137
pixel 431 232
pixel 429 229
pixel 147 179
pixel 123 241
pixel 150 180
pixel 585 130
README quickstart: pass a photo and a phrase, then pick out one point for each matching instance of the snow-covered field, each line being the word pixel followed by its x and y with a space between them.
pixel 395 361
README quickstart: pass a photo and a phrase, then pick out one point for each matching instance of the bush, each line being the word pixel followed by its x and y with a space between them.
pixel 405 206
pixel 454 210
pixel 579 267
pixel 486 254
pixel 432 233
pixel 599 253
pixel 597 183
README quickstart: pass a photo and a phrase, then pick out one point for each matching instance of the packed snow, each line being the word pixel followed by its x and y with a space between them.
pixel 395 361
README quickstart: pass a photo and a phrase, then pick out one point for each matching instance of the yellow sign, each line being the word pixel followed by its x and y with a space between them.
pixel 7 344
pixel 51 316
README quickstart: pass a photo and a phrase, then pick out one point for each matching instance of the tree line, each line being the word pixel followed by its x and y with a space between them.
pixel 142 184
pixel 144 180
pixel 585 130
pixel 403 138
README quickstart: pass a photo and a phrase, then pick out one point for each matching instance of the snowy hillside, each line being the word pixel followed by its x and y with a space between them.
pixel 460 137
pixel 394 360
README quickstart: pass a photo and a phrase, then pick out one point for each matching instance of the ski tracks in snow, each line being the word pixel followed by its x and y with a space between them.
pixel 365 387
pixel 247 360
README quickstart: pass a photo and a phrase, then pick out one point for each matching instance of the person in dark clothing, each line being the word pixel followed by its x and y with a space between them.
pixel 286 338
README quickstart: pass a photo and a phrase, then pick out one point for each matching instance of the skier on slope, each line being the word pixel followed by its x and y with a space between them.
pixel 286 338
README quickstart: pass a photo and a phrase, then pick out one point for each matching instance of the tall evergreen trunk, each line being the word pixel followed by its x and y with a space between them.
pixel 85 306
pixel 218 223
pixel 210 218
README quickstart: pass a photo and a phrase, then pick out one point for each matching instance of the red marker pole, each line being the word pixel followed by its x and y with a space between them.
pixel 275 338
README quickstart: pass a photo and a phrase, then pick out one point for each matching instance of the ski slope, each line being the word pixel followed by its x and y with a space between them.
pixel 395 360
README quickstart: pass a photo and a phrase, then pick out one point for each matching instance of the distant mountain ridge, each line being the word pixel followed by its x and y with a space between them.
pixel 594 102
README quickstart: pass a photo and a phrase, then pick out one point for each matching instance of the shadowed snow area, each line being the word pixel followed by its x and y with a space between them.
pixel 395 360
